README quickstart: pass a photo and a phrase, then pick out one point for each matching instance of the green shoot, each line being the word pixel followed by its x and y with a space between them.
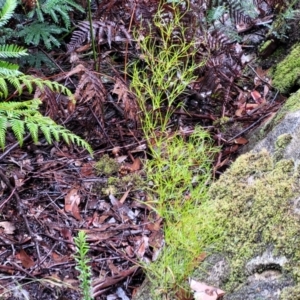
pixel 82 261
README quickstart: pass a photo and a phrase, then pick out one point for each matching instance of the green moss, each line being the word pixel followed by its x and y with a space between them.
pixel 106 166
pixel 287 73
pixel 290 293
pixel 252 202
pixel 291 105
pixel 282 142
pixel 117 185
pixel 265 45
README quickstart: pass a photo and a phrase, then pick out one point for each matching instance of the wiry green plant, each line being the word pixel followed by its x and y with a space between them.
pixel 167 70
pixel 82 249
pixel 179 174
pixel 22 116
pixel 179 170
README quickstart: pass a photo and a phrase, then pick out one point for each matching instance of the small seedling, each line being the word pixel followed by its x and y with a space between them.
pixel 82 261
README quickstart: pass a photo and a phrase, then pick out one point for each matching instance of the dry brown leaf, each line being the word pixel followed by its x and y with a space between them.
pixel 242 110
pixel 72 201
pixel 9 227
pixel 87 169
pixel 114 270
pixel 136 165
pixel 129 101
pixel 124 197
pixel 59 258
pixel 25 259
pixel 67 235
pixel 256 96
pixel 142 247
pixel 240 141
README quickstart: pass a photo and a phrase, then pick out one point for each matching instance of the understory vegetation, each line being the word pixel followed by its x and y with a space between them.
pixel 159 94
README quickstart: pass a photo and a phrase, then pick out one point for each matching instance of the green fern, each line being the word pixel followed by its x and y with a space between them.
pixel 60 8
pixel 11 51
pixel 40 29
pixel 36 32
pixel 37 59
pixel 7 11
pixel 20 117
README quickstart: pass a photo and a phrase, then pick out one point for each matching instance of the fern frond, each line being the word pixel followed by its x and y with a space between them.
pixel 105 32
pixel 3 88
pixel 30 106
pixel 36 58
pixel 57 9
pixel 9 69
pixel 9 51
pixel 18 129
pixel 3 128
pixel 37 32
pixel 24 115
pixel 29 81
pixel 7 11
pixel 33 130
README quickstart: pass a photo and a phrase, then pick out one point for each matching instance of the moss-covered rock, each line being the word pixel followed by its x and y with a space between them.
pixel 255 204
pixel 286 121
pixel 286 74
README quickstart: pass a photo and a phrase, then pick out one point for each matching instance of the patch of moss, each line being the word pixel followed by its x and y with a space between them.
pixel 253 206
pixel 290 293
pixel 287 73
pixel 265 45
pixel 292 104
pixel 282 142
pixel 118 185
pixel 106 166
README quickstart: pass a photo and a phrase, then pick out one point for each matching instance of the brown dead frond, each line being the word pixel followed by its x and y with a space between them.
pixel 89 89
pixel 104 32
pixel 127 100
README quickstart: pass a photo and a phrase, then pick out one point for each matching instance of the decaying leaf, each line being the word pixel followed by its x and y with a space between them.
pixel 142 246
pixel 9 227
pixel 240 141
pixel 204 291
pixel 72 201
pixel 25 259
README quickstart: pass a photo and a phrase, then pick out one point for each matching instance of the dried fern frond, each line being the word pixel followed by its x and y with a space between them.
pixel 89 89
pixel 104 32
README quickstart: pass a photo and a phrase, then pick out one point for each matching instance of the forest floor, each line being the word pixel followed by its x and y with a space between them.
pixel 50 192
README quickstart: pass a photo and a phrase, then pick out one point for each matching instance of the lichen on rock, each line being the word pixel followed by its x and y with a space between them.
pixel 254 205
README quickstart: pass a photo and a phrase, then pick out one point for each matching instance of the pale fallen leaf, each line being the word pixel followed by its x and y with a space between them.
pixel 121 158
pixel 9 227
pixel 72 201
pixel 204 291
